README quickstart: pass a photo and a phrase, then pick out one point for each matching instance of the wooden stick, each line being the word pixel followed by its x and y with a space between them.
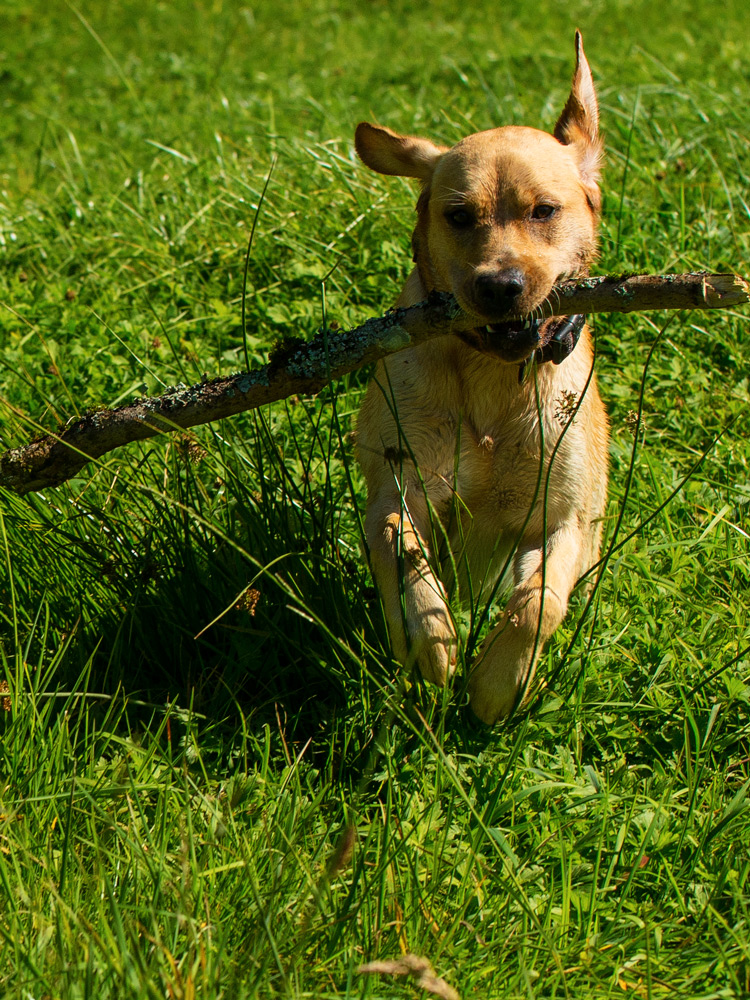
pixel 641 292
pixel 304 368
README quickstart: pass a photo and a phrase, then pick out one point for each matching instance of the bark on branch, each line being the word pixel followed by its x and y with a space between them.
pixel 305 368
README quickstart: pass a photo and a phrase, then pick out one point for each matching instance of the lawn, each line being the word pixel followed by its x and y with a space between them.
pixel 215 780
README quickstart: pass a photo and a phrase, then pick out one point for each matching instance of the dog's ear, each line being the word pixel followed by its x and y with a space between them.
pixel 578 124
pixel 580 116
pixel 388 152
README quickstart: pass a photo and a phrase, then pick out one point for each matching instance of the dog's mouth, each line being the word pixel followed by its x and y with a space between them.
pixel 512 342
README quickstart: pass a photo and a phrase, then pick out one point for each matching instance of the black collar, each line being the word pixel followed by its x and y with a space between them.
pixel 560 345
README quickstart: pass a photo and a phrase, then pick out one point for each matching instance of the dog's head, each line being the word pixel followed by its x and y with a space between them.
pixel 503 214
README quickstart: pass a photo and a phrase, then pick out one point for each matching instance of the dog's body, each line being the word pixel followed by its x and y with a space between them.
pixel 451 429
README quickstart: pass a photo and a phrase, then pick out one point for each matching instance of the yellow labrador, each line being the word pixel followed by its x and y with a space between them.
pixel 476 459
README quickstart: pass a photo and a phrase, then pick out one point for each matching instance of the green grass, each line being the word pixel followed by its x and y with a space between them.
pixel 201 696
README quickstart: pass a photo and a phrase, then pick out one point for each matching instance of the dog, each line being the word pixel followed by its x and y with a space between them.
pixel 485 453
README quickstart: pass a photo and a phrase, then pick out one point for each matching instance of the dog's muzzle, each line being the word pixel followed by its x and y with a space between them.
pixel 517 341
pixel 511 342
pixel 514 341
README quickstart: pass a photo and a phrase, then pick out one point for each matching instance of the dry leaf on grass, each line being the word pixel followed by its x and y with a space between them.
pixel 418 968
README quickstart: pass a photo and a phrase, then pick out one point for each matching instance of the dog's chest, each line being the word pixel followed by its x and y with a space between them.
pixel 501 473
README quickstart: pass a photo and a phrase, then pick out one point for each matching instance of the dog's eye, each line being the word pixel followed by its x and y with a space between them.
pixel 461 218
pixel 543 212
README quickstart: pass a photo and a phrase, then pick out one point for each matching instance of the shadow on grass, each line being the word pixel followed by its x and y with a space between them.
pixel 214 574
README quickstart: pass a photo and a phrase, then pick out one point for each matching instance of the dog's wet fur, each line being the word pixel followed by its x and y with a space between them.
pixel 455 447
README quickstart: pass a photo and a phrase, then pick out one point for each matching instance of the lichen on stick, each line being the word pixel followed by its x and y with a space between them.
pixel 296 367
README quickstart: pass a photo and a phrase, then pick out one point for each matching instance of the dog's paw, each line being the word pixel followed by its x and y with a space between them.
pixel 505 666
pixel 503 669
pixel 434 648
pixel 493 689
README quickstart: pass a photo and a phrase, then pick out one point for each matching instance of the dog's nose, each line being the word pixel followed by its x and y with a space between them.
pixel 498 290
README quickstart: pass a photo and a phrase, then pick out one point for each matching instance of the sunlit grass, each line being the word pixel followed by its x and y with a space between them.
pixel 200 702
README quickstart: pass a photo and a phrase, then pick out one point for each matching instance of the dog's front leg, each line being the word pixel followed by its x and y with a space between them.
pixel 544 578
pixel 419 619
